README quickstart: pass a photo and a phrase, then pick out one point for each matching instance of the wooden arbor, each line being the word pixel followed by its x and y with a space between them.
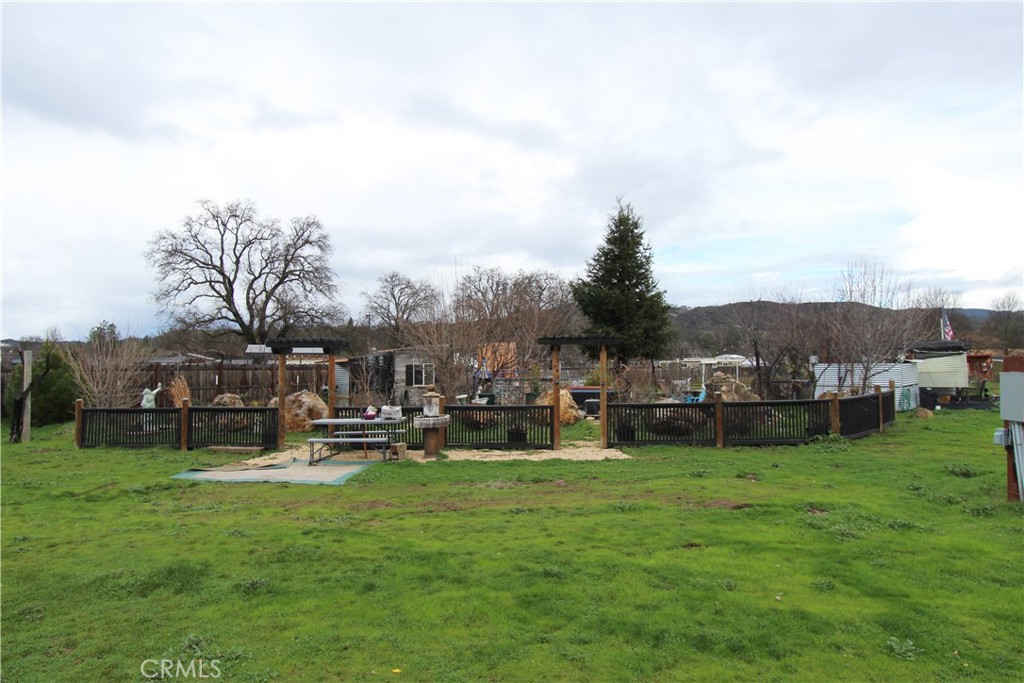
pixel 555 344
pixel 284 347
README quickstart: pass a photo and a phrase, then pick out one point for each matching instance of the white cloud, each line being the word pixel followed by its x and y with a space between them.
pixel 763 144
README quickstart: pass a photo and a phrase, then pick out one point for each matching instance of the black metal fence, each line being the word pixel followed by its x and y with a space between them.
pixel 256 427
pixel 498 427
pixel 774 422
pixel 661 423
pixel 501 427
pixel 132 427
pixel 139 427
pixel 514 427
pixel 858 416
pixel 748 423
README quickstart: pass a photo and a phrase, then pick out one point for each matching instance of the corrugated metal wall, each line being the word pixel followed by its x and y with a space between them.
pixel 946 372
pixel 904 375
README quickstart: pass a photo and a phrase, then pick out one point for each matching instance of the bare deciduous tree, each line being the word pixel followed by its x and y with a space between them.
pixel 1006 322
pixel 446 338
pixel 877 319
pixel 493 314
pixel 227 268
pixel 109 370
pixel 512 310
pixel 777 339
pixel 397 301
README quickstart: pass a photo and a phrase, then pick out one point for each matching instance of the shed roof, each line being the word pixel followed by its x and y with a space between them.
pixel 305 345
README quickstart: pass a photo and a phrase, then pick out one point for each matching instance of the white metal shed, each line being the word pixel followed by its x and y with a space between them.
pixel 944 372
pixel 841 377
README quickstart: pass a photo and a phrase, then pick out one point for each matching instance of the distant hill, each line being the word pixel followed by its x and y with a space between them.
pixel 715 329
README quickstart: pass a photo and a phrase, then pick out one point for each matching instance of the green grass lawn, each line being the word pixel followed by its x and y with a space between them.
pixel 893 558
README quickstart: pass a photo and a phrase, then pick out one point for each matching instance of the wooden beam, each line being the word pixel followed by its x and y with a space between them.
pixel 282 391
pixel 603 374
pixel 332 388
pixel 556 396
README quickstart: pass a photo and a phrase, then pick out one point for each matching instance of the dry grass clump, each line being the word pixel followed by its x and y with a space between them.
pixel 177 390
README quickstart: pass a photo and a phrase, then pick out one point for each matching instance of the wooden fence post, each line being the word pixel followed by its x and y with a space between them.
pixel 79 405
pixel 603 403
pixel 881 408
pixel 282 391
pixel 836 425
pixel 719 421
pixel 26 407
pixel 556 396
pixel 442 408
pixel 184 423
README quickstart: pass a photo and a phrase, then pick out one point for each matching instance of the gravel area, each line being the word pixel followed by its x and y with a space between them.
pixel 567 452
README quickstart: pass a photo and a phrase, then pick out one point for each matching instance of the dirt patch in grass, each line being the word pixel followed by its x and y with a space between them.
pixel 373 505
pixel 727 504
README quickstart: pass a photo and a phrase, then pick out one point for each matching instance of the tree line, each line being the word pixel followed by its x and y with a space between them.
pixel 228 276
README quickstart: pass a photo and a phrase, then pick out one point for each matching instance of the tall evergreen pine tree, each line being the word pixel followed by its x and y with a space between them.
pixel 619 294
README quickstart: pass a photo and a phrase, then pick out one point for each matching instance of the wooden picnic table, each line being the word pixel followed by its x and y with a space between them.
pixel 378 431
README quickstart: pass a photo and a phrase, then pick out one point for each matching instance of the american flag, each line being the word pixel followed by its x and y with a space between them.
pixel 947 329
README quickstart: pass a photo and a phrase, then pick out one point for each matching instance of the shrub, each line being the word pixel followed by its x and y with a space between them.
pixel 959 469
pixel 53 396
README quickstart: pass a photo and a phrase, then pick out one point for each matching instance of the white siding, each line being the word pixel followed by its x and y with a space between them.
pixel 944 372
pixel 903 375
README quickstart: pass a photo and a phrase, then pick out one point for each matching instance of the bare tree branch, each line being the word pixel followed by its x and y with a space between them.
pixel 229 268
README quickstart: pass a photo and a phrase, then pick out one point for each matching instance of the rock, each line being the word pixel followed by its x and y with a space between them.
pixel 228 401
pixel 570 411
pixel 300 409
pixel 732 389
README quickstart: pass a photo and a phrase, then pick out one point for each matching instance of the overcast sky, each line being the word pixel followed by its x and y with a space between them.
pixel 765 145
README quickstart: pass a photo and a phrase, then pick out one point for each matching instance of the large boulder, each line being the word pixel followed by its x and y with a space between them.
pixel 228 401
pixel 300 409
pixel 732 389
pixel 570 412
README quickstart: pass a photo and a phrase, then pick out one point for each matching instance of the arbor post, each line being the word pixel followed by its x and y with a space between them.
pixel 556 397
pixel 604 395
pixel 332 388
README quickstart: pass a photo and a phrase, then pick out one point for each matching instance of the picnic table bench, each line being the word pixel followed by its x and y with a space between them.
pixel 370 433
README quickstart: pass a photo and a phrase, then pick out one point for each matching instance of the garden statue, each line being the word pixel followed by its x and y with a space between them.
pixel 149 396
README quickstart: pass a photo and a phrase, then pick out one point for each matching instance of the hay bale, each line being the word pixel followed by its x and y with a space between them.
pixel 300 409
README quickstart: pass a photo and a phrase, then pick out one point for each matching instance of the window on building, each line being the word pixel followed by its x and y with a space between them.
pixel 419 374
